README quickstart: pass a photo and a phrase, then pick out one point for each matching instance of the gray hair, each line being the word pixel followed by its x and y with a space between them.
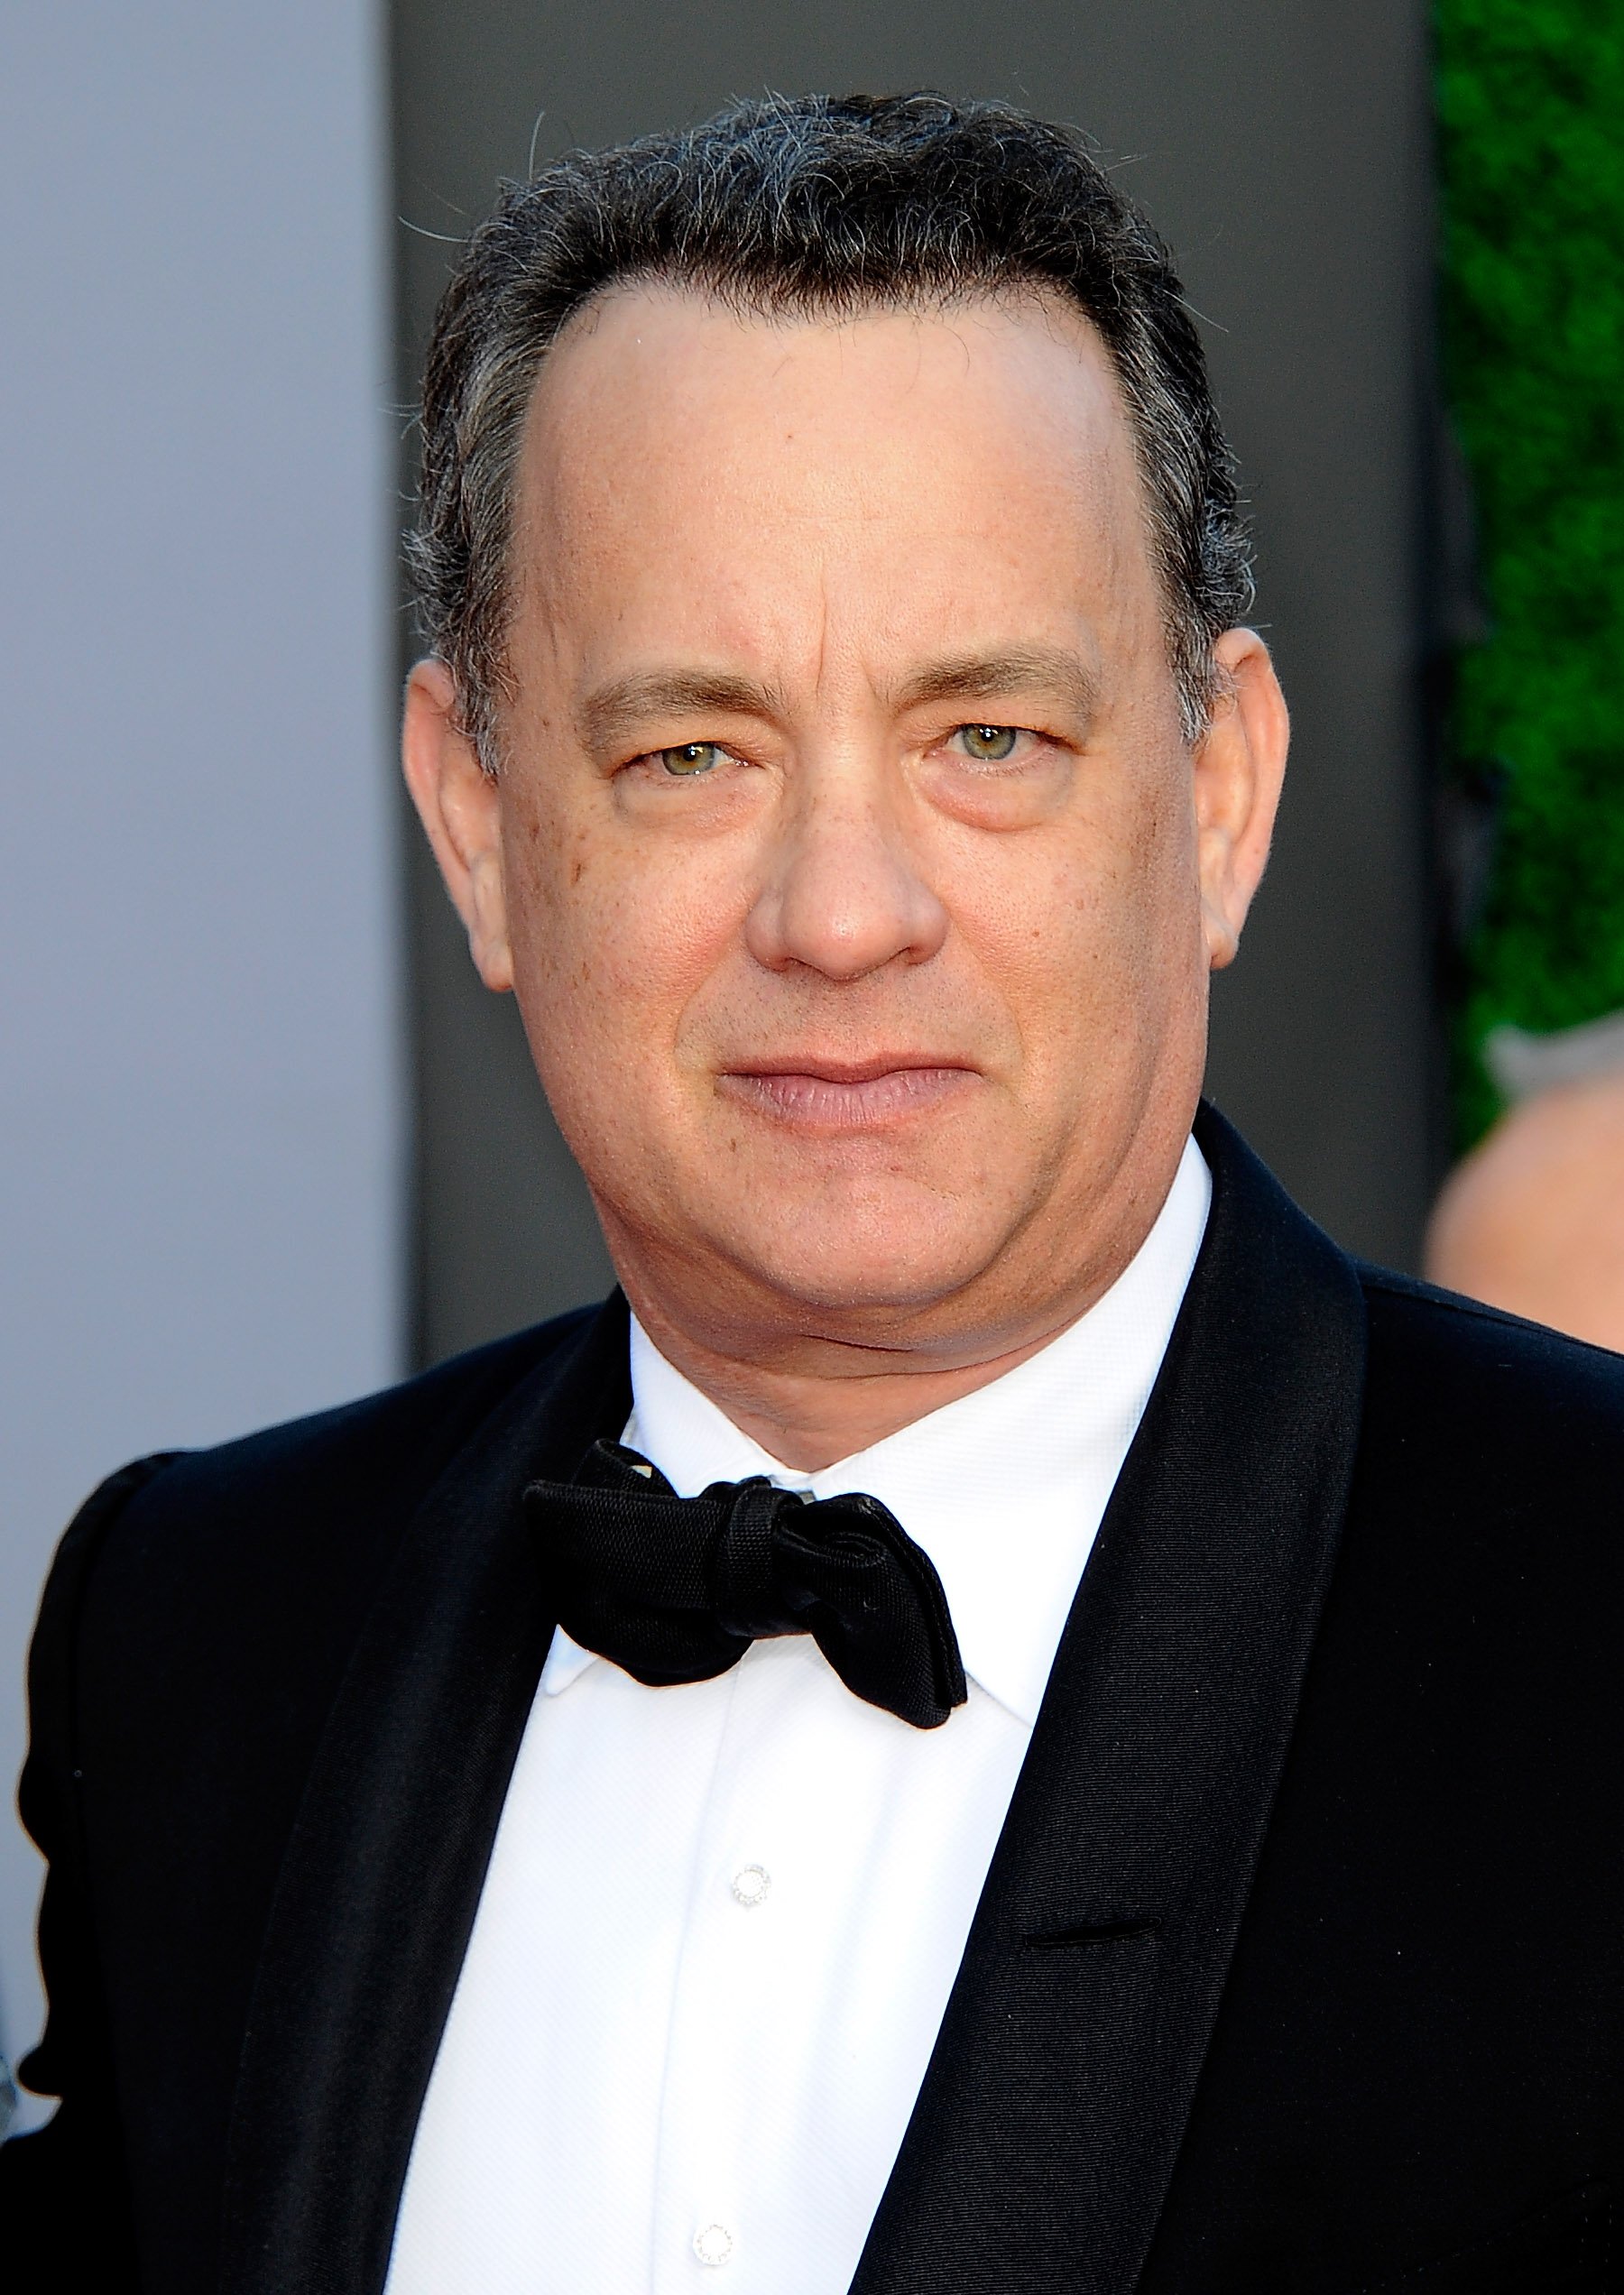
pixel 801 205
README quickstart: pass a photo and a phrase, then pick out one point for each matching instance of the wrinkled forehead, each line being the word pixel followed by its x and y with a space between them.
pixel 672 347
pixel 665 420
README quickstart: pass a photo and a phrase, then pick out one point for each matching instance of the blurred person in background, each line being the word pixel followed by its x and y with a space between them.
pixel 1002 1715
pixel 1533 1219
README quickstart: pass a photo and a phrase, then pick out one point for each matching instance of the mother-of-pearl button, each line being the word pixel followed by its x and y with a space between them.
pixel 714 2243
pixel 750 1885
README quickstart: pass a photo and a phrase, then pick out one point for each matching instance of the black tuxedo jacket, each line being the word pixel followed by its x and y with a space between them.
pixel 1299 1964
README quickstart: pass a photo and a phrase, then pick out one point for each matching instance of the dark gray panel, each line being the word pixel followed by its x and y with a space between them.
pixel 1288 164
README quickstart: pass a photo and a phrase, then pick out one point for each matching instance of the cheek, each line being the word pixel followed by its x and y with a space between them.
pixel 611 942
pixel 1153 928
pixel 1091 932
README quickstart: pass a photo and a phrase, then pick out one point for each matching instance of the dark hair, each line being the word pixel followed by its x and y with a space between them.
pixel 815 204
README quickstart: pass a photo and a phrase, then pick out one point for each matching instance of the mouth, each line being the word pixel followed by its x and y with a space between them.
pixel 833 1096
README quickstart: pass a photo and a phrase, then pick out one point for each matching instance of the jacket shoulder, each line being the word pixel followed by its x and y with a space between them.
pixel 397 1440
pixel 196 1625
pixel 1464 1397
pixel 253 1562
pixel 1444 1331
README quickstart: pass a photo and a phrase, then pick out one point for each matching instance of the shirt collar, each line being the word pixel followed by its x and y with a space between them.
pixel 1004 1488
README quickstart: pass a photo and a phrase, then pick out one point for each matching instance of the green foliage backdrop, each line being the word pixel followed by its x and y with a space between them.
pixel 1531 109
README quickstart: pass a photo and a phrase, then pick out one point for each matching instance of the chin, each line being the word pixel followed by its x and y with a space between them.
pixel 872 1267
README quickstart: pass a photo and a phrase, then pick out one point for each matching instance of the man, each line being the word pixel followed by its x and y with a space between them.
pixel 664 1795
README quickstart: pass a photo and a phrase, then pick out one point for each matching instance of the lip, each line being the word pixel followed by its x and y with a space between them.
pixel 815 1093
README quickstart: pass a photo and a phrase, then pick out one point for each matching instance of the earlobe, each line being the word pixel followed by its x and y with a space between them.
pixel 1240 766
pixel 459 807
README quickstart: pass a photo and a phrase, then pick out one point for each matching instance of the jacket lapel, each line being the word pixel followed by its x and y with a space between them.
pixel 1048 2123
pixel 385 1869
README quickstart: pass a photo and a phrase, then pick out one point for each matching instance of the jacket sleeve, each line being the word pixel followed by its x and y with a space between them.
pixel 64 2199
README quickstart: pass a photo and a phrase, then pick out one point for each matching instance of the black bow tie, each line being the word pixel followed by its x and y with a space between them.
pixel 676 1590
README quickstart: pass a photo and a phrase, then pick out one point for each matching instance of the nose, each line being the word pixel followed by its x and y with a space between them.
pixel 844 896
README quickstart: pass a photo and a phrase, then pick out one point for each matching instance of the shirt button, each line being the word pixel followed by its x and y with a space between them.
pixel 714 2244
pixel 750 1885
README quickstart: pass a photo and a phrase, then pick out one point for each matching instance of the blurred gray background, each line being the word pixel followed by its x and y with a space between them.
pixel 267 1143
pixel 201 1058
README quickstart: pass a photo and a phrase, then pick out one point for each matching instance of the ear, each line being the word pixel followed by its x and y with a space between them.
pixel 460 808
pixel 1239 764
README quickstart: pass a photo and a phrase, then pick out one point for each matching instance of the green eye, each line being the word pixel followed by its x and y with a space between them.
pixel 691 758
pixel 989 744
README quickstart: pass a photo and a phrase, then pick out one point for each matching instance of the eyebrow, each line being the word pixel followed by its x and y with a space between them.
pixel 619 710
pixel 1009 670
pixel 623 707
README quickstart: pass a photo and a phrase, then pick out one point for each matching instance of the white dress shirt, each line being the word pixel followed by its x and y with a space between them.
pixel 722 1921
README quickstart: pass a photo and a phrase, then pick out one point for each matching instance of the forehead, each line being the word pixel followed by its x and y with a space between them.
pixel 754 461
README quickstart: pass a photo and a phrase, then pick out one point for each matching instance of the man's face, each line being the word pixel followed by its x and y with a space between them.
pixel 846 857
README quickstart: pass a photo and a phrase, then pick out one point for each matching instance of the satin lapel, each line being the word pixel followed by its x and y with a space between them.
pixel 383 1871
pixel 1048 2123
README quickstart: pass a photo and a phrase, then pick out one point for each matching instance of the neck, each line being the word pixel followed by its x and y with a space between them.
pixel 811 1395
pixel 807 1418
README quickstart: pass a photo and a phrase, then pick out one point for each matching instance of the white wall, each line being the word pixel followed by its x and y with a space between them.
pixel 200 1102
